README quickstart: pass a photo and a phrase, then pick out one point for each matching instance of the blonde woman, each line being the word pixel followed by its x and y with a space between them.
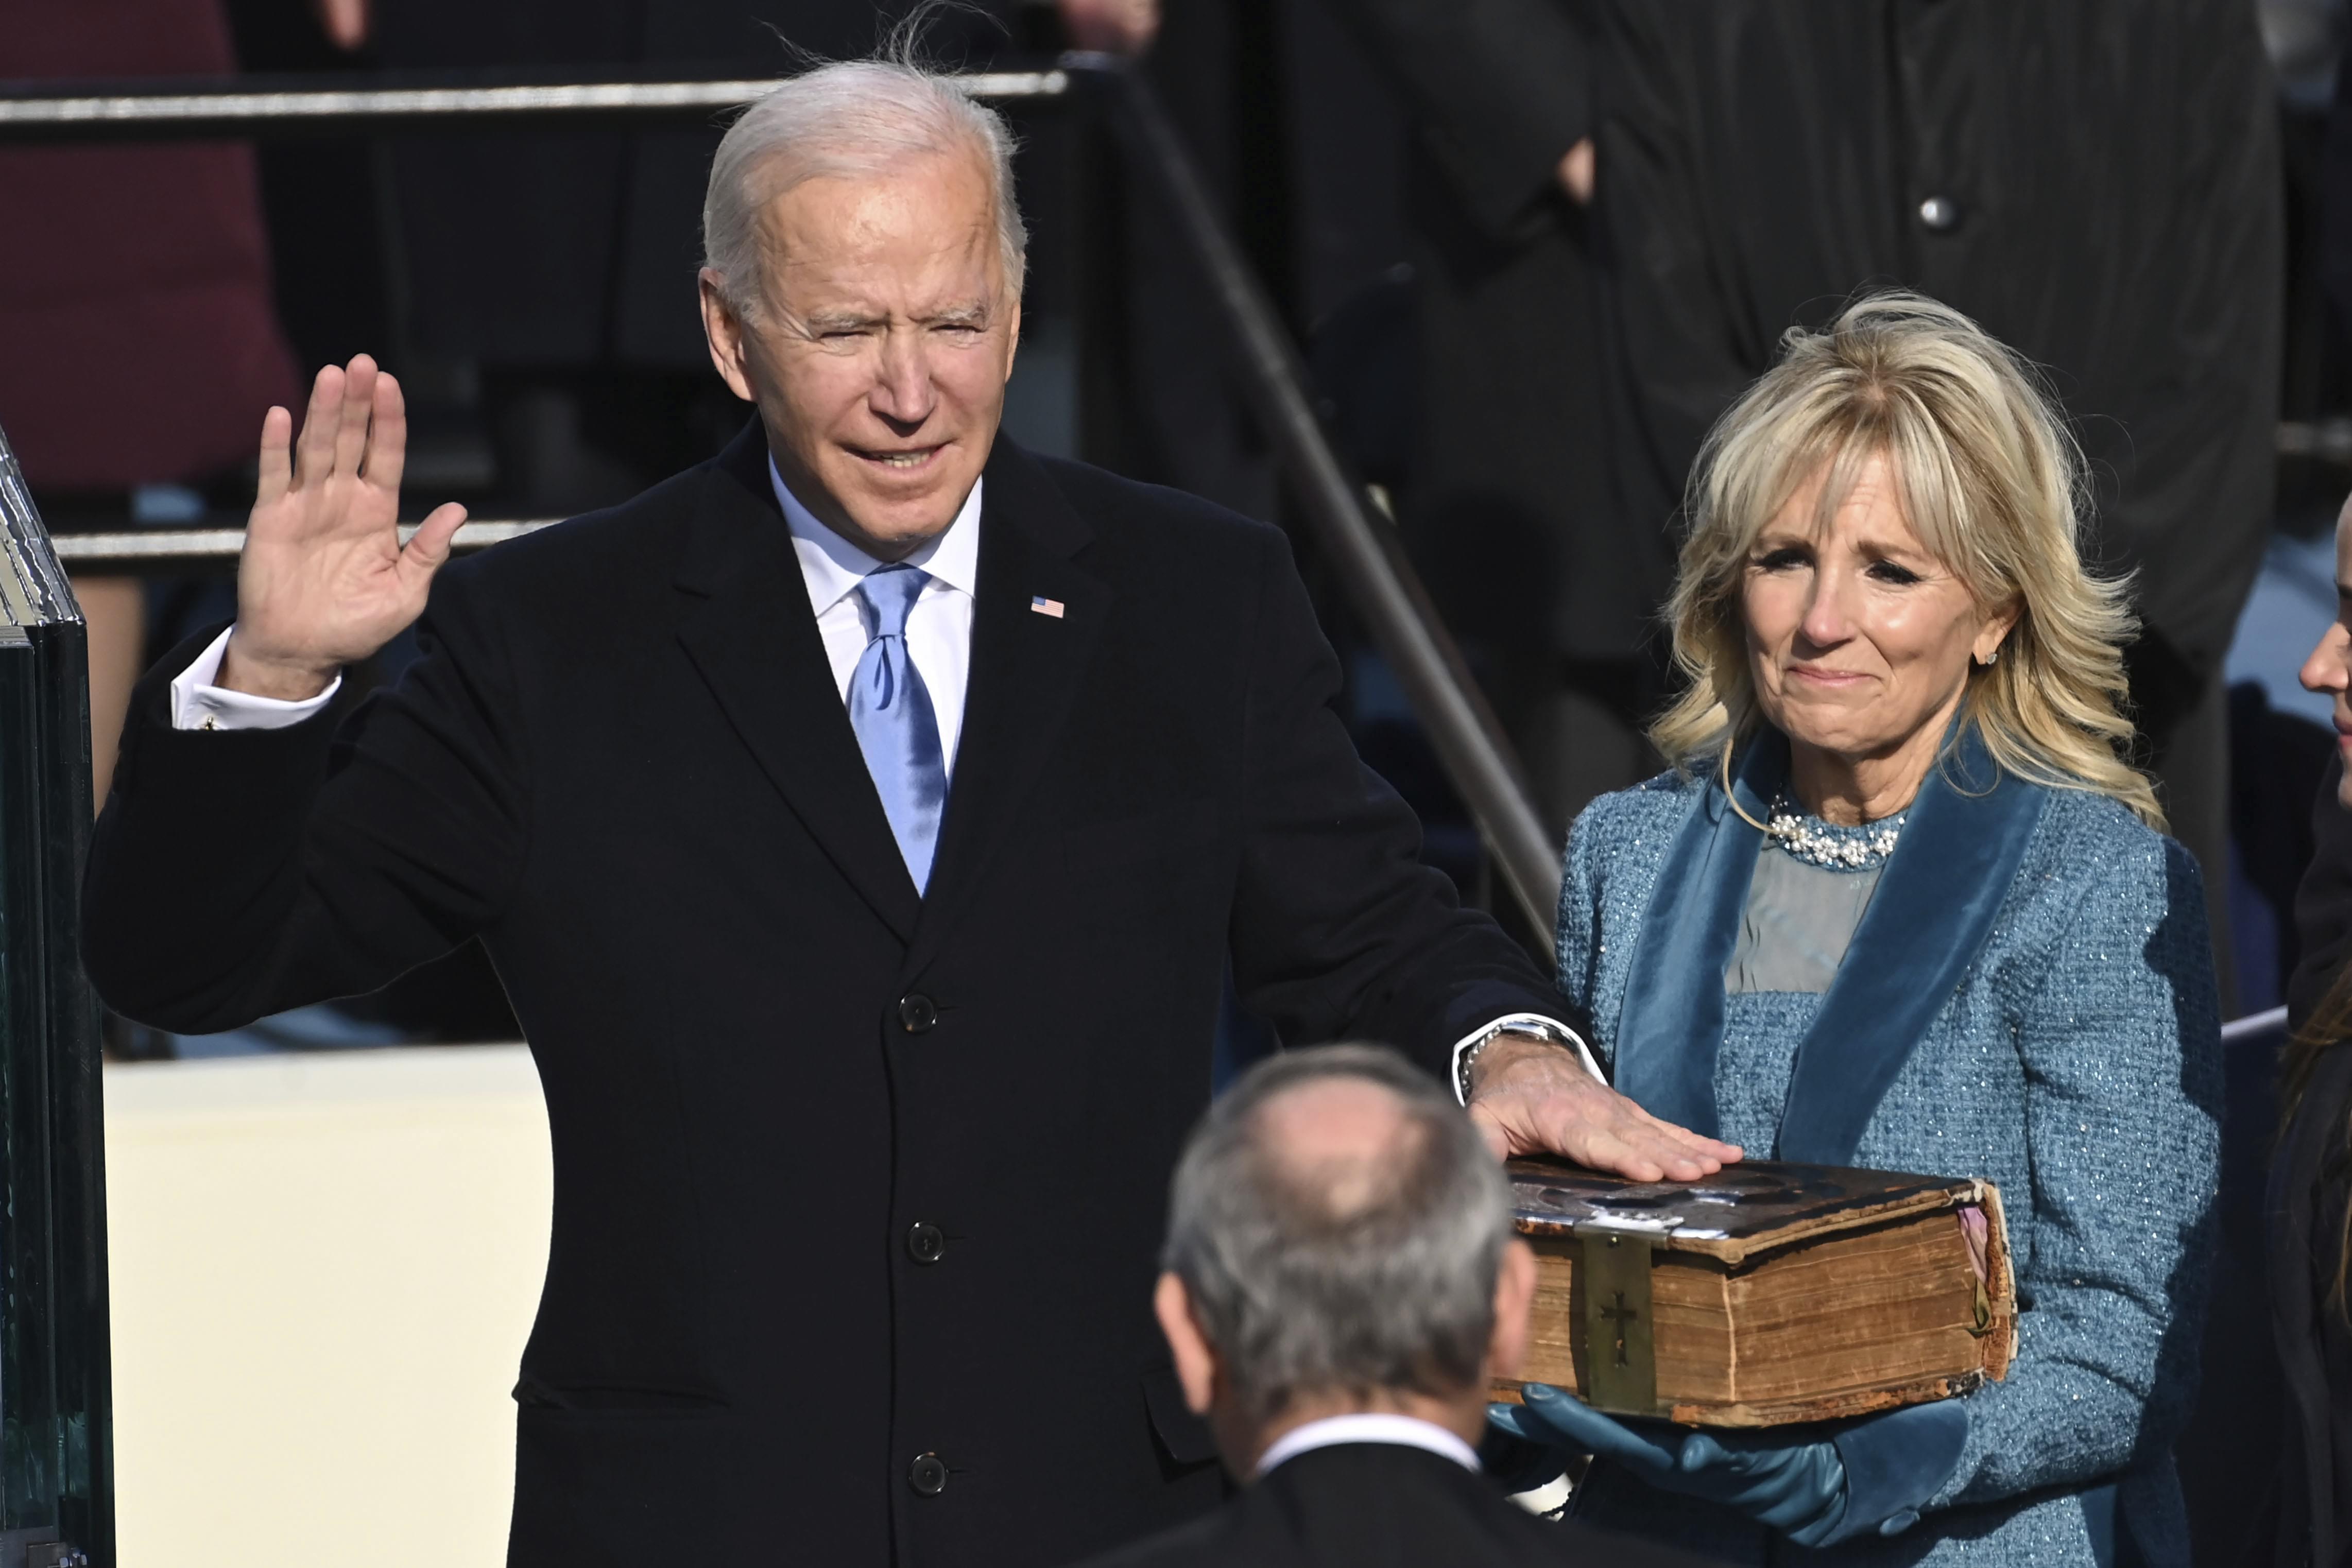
pixel 1902 905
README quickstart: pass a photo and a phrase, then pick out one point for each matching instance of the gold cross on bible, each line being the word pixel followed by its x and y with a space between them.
pixel 1621 1316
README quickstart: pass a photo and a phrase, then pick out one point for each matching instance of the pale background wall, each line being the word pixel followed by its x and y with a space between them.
pixel 324 1268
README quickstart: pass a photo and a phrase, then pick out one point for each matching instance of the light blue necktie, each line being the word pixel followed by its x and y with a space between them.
pixel 891 711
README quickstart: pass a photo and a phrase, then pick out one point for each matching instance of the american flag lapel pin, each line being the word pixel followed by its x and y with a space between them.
pixel 1041 605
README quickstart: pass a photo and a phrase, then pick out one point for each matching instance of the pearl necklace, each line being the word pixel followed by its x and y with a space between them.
pixel 1827 844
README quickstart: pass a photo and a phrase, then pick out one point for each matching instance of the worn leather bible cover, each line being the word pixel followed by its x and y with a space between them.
pixel 1766 1294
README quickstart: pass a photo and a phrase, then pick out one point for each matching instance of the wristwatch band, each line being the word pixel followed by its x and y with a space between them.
pixel 1536 1028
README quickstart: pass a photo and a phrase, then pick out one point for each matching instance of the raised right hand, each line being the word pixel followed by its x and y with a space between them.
pixel 323 580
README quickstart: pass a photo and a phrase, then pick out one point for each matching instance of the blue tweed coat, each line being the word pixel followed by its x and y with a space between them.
pixel 2042 1016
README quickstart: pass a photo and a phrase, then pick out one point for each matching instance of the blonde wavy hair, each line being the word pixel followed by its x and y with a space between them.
pixel 1986 475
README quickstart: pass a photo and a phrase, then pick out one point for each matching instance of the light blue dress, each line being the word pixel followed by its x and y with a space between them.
pixel 2027 998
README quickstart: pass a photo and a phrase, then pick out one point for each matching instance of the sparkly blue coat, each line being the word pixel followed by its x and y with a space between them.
pixel 2029 998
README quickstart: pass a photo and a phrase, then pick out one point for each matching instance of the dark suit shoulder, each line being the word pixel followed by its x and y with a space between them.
pixel 1110 501
pixel 1371 1505
pixel 1214 1539
pixel 1210 571
pixel 643 533
pixel 571 595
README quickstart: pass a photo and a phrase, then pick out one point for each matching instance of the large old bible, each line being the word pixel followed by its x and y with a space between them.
pixel 1765 1294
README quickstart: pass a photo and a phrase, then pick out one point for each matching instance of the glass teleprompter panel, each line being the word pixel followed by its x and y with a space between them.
pixel 55 1435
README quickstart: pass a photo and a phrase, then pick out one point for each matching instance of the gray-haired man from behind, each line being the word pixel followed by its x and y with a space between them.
pixel 1340 1284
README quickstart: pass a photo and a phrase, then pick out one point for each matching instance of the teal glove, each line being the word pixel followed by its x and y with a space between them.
pixel 1796 1488
pixel 1868 1476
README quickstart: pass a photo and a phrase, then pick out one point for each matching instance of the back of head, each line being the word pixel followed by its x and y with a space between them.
pixel 1989 479
pixel 850 120
pixel 1338 1224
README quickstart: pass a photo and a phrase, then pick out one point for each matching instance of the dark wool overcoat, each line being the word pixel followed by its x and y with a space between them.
pixel 2098 185
pixel 858 1193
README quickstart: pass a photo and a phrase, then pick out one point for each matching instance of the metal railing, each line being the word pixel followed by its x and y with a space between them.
pixel 127 551
pixel 1362 546
pixel 181 109
pixel 2269 1027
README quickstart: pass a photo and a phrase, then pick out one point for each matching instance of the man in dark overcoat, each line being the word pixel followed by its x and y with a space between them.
pixel 2097 186
pixel 862 824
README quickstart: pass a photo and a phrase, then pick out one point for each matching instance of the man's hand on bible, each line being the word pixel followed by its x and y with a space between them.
pixel 1529 1096
pixel 324 581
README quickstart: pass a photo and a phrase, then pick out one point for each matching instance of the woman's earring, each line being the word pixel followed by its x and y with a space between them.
pixel 1989 660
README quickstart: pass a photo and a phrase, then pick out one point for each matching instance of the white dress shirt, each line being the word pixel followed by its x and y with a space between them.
pixel 938 628
pixel 939 640
pixel 1369 1427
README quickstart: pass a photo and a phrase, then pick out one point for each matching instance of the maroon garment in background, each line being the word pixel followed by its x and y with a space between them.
pixel 138 339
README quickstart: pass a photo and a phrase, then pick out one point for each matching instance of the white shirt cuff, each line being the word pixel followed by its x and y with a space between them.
pixel 197 703
pixel 1529 1023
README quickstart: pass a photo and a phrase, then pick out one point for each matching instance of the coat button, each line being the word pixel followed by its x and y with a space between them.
pixel 927 1475
pixel 926 1243
pixel 1940 214
pixel 916 1013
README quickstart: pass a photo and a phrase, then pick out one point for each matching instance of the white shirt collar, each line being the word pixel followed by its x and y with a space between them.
pixel 834 566
pixel 1369 1426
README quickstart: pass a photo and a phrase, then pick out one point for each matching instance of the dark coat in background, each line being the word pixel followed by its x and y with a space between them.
pixel 2104 199
pixel 138 342
pixel 2099 186
pixel 2323 904
pixel 1510 479
pixel 2310 1187
pixel 1510 504
pixel 845 1176
pixel 2309 1190
pixel 1378 1505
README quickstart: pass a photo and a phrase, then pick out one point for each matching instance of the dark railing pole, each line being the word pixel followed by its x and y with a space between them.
pixel 266 107
pixel 1364 549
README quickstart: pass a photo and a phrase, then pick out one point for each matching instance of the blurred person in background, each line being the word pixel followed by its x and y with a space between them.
pixel 2323 901
pixel 1624 204
pixel 2308 1206
pixel 137 331
pixel 1340 1285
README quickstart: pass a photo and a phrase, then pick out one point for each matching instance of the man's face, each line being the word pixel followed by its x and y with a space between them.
pixel 879 346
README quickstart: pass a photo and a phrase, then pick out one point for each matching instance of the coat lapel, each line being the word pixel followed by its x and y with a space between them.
pixel 1930 916
pixel 2299 1169
pixel 1026 669
pixel 1672 1024
pixel 744 620
pixel 1927 921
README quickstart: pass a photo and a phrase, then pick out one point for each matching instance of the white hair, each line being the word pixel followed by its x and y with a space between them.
pixel 849 120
